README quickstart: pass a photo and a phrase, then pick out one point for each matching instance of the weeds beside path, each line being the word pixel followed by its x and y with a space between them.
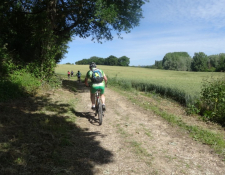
pixel 52 134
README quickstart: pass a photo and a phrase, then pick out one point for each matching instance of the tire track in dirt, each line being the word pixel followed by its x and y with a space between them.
pixel 142 143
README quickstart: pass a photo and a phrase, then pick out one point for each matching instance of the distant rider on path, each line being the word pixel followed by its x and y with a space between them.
pixel 68 73
pixel 78 75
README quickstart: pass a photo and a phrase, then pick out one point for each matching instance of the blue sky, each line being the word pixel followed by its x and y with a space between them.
pixel 168 26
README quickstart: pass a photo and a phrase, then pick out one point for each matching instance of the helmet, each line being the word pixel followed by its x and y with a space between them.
pixel 92 65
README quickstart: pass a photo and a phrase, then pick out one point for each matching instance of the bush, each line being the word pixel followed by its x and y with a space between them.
pixel 6 64
pixel 212 69
pixel 19 84
pixel 126 85
pixel 213 100
pixel 55 81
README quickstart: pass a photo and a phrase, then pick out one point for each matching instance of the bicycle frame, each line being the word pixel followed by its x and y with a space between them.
pixel 97 96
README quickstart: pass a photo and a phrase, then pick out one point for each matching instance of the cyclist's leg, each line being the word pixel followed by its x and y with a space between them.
pixel 92 99
pixel 92 96
pixel 103 102
pixel 102 88
pixel 103 99
pixel 102 94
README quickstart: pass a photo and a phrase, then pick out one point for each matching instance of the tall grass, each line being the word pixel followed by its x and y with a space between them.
pixel 182 86
pixel 174 93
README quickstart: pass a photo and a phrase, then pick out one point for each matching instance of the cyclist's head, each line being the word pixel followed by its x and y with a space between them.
pixel 92 65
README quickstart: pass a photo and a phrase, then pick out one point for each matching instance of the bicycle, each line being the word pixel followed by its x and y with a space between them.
pixel 98 106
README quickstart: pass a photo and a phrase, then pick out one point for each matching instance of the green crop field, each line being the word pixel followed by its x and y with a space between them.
pixel 189 82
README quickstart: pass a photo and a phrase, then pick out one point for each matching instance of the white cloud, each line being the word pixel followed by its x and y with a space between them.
pixel 169 26
pixel 186 12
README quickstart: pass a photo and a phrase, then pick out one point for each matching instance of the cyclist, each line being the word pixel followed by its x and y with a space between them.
pixel 78 75
pixel 68 73
pixel 95 86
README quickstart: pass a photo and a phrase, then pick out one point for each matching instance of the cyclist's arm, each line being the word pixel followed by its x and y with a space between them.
pixel 105 79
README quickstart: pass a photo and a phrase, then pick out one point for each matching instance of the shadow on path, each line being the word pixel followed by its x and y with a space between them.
pixel 74 86
pixel 80 88
pixel 33 141
pixel 88 115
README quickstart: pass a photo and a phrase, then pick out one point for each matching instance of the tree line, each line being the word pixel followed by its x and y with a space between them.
pixel 111 61
pixel 200 62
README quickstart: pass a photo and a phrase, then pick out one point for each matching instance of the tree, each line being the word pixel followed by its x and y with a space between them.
pixel 184 63
pixel 97 60
pixel 111 60
pixel 221 62
pixel 199 62
pixel 93 59
pixel 213 61
pixel 158 64
pixel 123 61
pixel 83 62
pixel 37 32
pixel 176 61
pixel 101 61
pixel 29 35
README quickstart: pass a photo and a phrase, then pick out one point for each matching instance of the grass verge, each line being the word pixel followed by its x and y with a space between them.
pixel 205 136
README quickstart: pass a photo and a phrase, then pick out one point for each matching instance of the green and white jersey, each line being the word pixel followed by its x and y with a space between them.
pixel 89 76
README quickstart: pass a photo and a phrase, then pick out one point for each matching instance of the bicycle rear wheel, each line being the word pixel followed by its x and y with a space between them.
pixel 100 112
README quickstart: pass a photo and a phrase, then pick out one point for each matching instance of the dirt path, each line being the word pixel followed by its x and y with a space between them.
pixel 142 143
pixel 51 133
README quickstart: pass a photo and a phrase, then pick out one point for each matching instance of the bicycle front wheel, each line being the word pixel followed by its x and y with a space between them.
pixel 100 112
